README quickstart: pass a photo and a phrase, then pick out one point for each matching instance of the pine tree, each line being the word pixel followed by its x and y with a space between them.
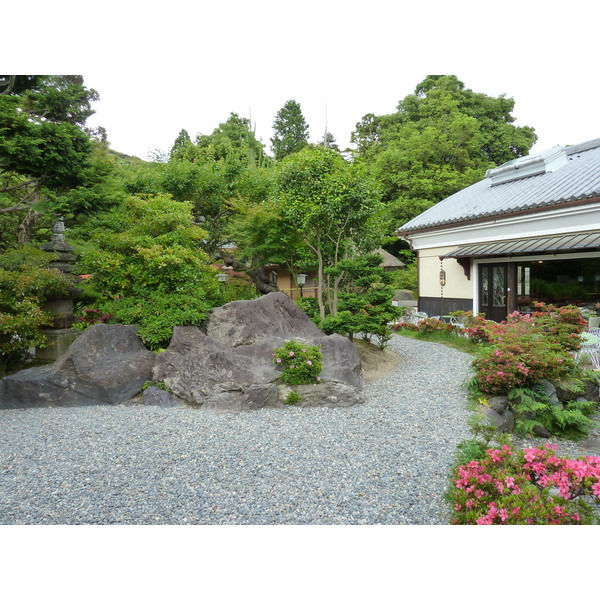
pixel 291 130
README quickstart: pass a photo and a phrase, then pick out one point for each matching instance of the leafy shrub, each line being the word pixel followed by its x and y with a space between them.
pixel 525 487
pixel 431 325
pixel 91 316
pixel 25 282
pixel 161 385
pixel 527 348
pixel 477 328
pixel 311 307
pixel 146 261
pixel 532 407
pixel 293 398
pixel 301 364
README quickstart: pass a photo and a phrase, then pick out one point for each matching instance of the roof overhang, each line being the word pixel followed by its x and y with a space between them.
pixel 554 243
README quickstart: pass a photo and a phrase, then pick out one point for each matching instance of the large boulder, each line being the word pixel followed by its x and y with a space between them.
pixel 228 364
pixel 274 315
pixel 107 364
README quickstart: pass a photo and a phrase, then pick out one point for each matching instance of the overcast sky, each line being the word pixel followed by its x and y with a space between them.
pixel 189 65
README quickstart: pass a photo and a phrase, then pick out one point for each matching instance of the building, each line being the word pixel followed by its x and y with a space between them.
pixel 529 231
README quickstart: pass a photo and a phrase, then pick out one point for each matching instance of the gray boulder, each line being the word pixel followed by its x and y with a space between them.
pixel 228 364
pixel 590 393
pixel 330 393
pixel 245 322
pixel 107 364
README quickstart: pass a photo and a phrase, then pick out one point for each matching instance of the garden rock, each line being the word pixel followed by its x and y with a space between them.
pixel 498 403
pixel 107 364
pixel 503 423
pixel 331 394
pixel 590 393
pixel 550 391
pixel 154 396
pixel 228 364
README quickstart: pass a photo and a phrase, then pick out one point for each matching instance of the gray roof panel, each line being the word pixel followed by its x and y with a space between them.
pixel 577 179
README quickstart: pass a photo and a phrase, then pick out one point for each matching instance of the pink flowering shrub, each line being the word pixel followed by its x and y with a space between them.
pixel 527 348
pixel 525 487
pixel 91 316
pixel 477 329
pixel 431 325
pixel 301 364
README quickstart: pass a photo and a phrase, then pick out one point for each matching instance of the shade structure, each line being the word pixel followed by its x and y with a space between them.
pixel 554 243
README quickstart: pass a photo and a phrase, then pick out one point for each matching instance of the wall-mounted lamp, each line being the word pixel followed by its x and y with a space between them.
pixel 301 279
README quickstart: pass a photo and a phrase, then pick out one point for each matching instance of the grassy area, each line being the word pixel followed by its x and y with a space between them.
pixel 448 339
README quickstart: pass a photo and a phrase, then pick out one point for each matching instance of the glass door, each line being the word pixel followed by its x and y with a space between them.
pixel 493 291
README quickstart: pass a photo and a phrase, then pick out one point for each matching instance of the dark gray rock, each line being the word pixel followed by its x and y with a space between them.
pixel 245 322
pixel 107 364
pixel 498 403
pixel 550 391
pixel 540 431
pixel 590 393
pixel 329 393
pixel 503 423
pixel 154 396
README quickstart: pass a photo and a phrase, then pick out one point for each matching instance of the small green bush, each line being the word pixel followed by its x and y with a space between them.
pixel 302 364
pixel 293 398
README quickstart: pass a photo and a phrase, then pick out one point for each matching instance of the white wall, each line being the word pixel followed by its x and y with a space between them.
pixel 457 284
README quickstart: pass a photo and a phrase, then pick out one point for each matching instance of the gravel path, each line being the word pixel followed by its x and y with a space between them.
pixel 384 462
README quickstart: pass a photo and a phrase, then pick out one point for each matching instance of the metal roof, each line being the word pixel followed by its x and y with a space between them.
pixel 575 178
pixel 554 243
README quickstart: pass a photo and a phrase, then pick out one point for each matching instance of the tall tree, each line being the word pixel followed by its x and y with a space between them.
pixel 181 141
pixel 291 130
pixel 441 139
pixel 334 206
pixel 44 148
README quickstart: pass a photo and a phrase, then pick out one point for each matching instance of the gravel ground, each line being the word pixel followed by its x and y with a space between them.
pixel 384 462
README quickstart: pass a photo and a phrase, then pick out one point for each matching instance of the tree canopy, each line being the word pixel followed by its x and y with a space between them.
pixel 441 139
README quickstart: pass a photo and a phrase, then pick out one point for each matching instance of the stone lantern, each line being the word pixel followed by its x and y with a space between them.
pixel 60 335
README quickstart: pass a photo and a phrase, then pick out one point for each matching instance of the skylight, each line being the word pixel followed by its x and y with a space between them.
pixel 528 166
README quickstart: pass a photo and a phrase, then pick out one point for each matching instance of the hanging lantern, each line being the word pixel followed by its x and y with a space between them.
pixel 442 277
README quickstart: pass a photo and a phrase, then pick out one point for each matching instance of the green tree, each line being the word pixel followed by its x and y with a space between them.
pixel 182 141
pixel 44 149
pixel 334 207
pixel 440 140
pixel 263 237
pixel 233 142
pixel 147 264
pixel 291 130
pixel 365 299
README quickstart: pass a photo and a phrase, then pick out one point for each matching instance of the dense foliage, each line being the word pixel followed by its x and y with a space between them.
pixel 25 283
pixel 147 266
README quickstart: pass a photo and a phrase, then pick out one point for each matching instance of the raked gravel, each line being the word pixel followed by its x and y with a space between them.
pixel 383 462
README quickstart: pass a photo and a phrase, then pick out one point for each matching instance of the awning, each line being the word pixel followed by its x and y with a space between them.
pixel 553 243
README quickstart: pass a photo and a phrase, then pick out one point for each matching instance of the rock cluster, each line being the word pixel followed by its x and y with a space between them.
pixel 226 366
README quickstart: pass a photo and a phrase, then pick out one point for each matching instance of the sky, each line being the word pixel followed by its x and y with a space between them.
pixel 181 65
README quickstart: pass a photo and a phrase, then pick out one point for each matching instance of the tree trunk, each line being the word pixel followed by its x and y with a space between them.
pixel 25 230
pixel 261 278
